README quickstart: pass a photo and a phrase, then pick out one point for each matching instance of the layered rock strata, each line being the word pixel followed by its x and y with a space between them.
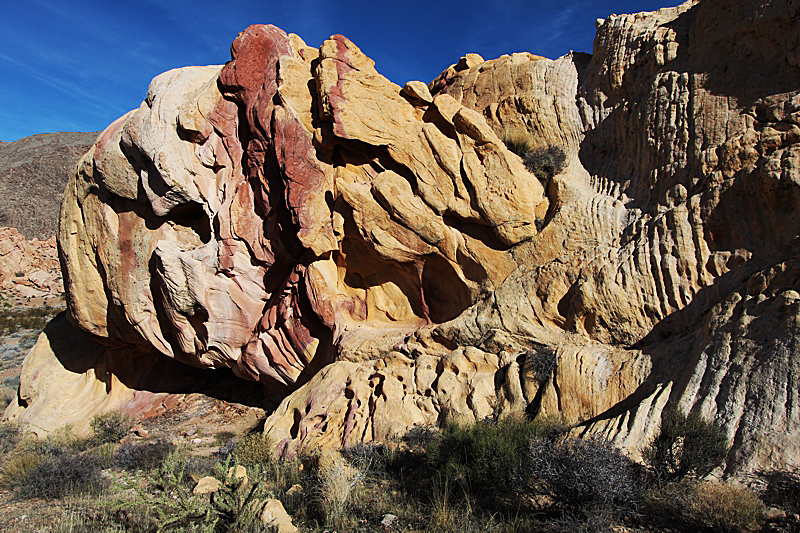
pixel 298 218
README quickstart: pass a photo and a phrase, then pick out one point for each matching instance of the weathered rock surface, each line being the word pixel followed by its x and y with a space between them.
pixel 207 485
pixel 28 268
pixel 274 515
pixel 68 378
pixel 298 218
pixel 276 246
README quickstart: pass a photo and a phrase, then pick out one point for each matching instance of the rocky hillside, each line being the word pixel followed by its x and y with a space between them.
pixel 33 174
pixel 379 259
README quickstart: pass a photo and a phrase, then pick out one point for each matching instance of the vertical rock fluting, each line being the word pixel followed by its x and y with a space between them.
pixel 300 219
pixel 689 143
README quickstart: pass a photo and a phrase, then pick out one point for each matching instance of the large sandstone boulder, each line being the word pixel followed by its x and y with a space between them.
pixel 299 219
pixel 68 378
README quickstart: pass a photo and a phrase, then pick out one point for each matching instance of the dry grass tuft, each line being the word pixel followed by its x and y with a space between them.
pixel 704 505
pixel 16 468
pixel 337 479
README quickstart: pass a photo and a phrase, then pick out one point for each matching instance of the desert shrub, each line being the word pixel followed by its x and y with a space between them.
pixel 706 506
pixel 234 507
pixel 781 489
pixel 56 476
pixel 62 440
pixel 518 142
pixel 253 449
pixel 168 498
pixel 110 426
pixel 62 448
pixel 540 364
pixel 685 445
pixel 583 474
pixel 369 458
pixel 104 454
pixel 331 481
pixel 171 504
pixel 596 521
pixel 83 518
pixel 420 437
pixel 223 437
pixel 142 455
pixel 533 465
pixel 487 456
pixel 544 162
pixel 29 318
pixel 225 450
pixel 336 483
pixel 725 507
pixel 6 395
pixel 9 437
pixel 196 467
pixel 16 468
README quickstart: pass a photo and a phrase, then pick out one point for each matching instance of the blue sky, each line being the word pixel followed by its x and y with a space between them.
pixel 78 65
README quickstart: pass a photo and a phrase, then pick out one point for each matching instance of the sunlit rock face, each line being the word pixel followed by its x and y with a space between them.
pixel 298 218
pixel 239 218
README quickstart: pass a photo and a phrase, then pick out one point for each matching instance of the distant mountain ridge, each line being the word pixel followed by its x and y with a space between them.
pixel 33 173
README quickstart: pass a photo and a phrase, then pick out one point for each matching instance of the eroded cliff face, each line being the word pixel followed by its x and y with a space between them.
pixel 377 250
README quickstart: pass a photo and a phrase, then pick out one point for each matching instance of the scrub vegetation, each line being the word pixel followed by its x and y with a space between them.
pixel 509 475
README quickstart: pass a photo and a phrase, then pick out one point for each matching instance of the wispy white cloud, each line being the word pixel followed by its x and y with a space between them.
pixel 66 87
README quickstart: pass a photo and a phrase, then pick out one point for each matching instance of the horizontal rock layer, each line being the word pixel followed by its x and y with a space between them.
pixel 298 218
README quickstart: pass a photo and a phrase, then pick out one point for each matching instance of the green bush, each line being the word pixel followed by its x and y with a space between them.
pixel 110 426
pixel 685 445
pixel 487 456
pixel 484 455
pixel 169 500
pixel 234 507
pixel 534 465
